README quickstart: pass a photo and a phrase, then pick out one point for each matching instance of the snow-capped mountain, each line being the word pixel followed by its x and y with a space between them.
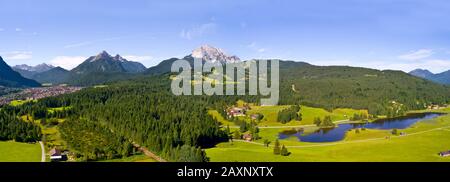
pixel 214 55
pixel 38 68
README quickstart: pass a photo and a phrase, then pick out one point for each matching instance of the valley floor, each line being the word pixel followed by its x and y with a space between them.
pixel 422 142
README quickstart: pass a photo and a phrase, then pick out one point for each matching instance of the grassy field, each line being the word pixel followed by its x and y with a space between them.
pixel 19 152
pixel 271 113
pixel 51 133
pixel 20 102
pixel 219 118
pixel 51 110
pixel 308 114
pixel 422 143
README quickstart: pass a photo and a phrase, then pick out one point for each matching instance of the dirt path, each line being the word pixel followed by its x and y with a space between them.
pixel 350 142
pixel 43 151
pixel 293 88
pixel 149 153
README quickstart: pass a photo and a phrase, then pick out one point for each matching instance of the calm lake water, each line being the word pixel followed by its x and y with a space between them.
pixel 338 133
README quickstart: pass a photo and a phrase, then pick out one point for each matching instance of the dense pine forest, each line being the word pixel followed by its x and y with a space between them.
pixel 12 128
pixel 103 123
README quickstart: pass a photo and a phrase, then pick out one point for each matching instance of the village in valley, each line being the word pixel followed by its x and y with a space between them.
pixel 30 94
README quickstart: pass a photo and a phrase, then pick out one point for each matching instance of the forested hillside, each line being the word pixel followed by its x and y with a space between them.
pixel 359 88
pixel 11 78
pixel 143 111
pixel 12 128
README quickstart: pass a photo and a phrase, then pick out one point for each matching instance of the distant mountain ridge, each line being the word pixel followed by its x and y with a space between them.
pixel 443 78
pixel 95 70
pixel 38 68
pixel 11 78
pixel 105 63
pixel 55 75
pixel 29 71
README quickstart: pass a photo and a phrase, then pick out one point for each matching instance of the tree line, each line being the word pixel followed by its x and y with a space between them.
pixel 13 128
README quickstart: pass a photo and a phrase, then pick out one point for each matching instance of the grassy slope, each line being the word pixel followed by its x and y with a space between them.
pixel 308 114
pixel 19 152
pixel 51 110
pixel 415 147
pixel 20 102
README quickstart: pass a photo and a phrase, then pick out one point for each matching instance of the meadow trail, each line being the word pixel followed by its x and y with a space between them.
pixel 149 153
pixel 43 151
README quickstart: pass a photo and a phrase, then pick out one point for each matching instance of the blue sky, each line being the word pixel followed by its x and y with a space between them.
pixel 382 34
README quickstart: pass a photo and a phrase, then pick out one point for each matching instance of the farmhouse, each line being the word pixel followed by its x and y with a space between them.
pixel 254 116
pixel 444 154
pixel 247 137
pixel 56 155
pixel 236 111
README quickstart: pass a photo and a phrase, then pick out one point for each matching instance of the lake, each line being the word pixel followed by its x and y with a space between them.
pixel 338 133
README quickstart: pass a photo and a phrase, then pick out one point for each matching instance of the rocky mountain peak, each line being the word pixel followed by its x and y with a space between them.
pixel 119 58
pixel 102 55
pixel 214 55
pixel 38 68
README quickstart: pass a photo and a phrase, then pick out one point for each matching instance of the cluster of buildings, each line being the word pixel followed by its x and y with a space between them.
pixel 42 92
pixel 38 93
pixel 433 107
pixel 237 111
pixel 240 111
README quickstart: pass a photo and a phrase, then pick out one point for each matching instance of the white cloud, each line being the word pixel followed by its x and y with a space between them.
pixel 198 31
pixel 416 55
pixel 256 48
pixel 261 50
pixel 89 42
pixel 17 55
pixel 67 62
pixel 138 58
pixel 18 29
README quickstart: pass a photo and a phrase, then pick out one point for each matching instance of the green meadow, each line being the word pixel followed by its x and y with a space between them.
pixel 422 142
pixel 19 152
pixel 271 113
pixel 20 102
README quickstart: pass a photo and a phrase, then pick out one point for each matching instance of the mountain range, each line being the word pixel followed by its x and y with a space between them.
pixel 29 71
pixel 443 78
pixel 103 68
pixel 300 82
pixel 11 78
pixel 96 69
pixel 38 68
pixel 205 53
